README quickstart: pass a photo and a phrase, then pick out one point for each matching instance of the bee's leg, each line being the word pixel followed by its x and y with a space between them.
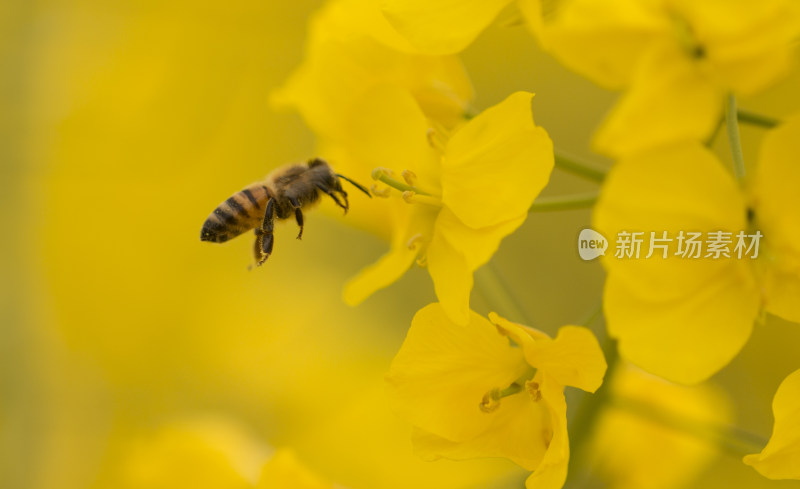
pixel 334 197
pixel 298 215
pixel 264 238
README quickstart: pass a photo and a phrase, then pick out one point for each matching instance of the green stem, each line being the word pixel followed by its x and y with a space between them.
pixel 564 202
pixel 757 119
pixel 733 137
pixel 730 439
pixel 579 168
pixel 498 296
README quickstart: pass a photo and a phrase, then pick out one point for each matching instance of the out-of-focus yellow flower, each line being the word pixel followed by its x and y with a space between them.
pixel 203 452
pixel 780 459
pixel 685 317
pixel 469 393
pixel 284 471
pixel 444 27
pixel 465 198
pixel 678 58
pixel 210 452
pixel 634 452
pixel 351 48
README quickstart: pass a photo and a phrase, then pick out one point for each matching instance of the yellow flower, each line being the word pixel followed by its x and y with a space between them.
pixel 466 196
pixel 210 452
pixel 199 452
pixel 780 458
pixel 351 48
pixel 284 471
pixel 678 58
pixel 634 452
pixel 469 393
pixel 444 27
pixel 684 317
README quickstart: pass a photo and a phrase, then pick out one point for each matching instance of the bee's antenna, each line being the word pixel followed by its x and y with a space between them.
pixel 356 185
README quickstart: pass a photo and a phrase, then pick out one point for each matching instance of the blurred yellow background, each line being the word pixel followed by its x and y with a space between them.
pixel 123 125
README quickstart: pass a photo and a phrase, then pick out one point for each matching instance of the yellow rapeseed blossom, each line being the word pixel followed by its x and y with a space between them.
pixel 634 451
pixel 678 59
pixel 284 471
pixel 469 393
pixel 780 459
pixel 466 193
pixel 351 48
pixel 209 452
pixel 444 27
pixel 683 310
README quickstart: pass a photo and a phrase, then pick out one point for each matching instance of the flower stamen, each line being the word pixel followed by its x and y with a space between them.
pixel 412 197
pixel 410 177
pixel 382 192
pixel 386 176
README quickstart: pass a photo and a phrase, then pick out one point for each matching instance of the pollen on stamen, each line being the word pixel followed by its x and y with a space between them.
pixel 414 241
pixel 383 192
pixel 533 390
pixel 380 171
pixel 490 401
pixel 436 140
pixel 410 177
pixel 412 197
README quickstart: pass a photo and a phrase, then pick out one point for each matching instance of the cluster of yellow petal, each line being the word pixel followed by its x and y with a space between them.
pixel 490 171
pixel 210 452
pixel 634 451
pixel 381 89
pixel 470 393
pixel 779 458
pixel 678 59
pixel 685 319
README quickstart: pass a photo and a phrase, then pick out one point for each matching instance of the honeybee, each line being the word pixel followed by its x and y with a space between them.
pixel 284 193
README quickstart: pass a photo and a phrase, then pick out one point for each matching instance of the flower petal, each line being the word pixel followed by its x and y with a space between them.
pixel 573 358
pixel 452 277
pixel 387 128
pixel 681 318
pixel 552 471
pixel 747 45
pixel 669 100
pixel 285 471
pixel 407 222
pixel 343 59
pixel 379 275
pixel 496 165
pixel 777 206
pixel 443 370
pixel 674 189
pixel 441 26
pixel 685 340
pixel 605 41
pixel 455 252
pixel 519 430
pixel 636 452
pixel 477 245
pixel 779 458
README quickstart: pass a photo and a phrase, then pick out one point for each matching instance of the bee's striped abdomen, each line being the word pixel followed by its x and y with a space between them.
pixel 241 212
